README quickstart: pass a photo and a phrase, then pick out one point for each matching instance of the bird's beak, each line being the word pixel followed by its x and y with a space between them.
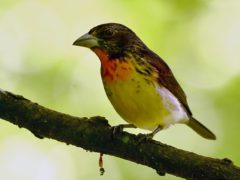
pixel 87 40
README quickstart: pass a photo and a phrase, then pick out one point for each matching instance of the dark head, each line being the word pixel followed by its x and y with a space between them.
pixel 112 38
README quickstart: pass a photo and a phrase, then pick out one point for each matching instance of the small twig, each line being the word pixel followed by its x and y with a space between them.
pixel 100 163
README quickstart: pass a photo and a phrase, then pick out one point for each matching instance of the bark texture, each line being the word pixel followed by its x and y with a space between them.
pixel 95 134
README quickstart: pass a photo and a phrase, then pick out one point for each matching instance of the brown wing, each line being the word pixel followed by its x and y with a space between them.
pixel 166 78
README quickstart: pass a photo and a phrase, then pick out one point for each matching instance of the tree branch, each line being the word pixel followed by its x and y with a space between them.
pixel 94 134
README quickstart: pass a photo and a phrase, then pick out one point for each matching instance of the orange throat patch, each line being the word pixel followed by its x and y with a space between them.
pixel 113 69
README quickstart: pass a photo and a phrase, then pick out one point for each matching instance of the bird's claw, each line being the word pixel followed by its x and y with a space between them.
pixel 144 137
pixel 147 137
pixel 119 128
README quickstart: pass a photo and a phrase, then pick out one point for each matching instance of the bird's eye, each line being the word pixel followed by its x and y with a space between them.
pixel 108 33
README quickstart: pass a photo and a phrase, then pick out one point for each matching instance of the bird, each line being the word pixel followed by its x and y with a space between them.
pixel 139 84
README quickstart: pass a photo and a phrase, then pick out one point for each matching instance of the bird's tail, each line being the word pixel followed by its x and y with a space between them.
pixel 200 129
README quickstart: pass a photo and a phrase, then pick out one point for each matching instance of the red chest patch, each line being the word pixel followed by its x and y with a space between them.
pixel 113 69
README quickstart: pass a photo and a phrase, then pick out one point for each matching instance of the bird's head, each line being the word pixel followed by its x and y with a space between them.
pixel 111 38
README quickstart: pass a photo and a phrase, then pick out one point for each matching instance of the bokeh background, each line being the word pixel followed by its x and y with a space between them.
pixel 199 39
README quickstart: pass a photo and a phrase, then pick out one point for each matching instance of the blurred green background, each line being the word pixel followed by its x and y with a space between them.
pixel 199 39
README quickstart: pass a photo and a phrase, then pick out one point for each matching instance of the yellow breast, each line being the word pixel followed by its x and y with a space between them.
pixel 138 99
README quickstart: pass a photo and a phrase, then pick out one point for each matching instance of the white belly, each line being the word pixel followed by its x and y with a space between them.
pixel 170 102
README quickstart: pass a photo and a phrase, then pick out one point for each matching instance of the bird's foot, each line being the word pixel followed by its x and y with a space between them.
pixel 120 127
pixel 144 137
pixel 147 137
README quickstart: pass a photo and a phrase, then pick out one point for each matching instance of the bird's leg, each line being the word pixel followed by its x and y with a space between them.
pixel 120 127
pixel 146 137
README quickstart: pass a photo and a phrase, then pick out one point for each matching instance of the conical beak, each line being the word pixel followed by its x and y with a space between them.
pixel 87 40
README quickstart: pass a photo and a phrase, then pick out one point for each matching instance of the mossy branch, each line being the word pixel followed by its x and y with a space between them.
pixel 94 134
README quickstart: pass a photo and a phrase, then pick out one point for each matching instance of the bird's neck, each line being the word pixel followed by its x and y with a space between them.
pixel 103 56
pixel 113 70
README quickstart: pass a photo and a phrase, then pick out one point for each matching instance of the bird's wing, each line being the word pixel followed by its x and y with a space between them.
pixel 166 78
